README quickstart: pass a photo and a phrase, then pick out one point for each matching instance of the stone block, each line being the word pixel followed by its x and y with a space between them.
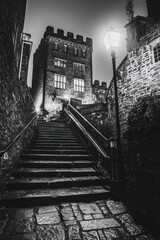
pixel 89 208
pixel 129 224
pixel 47 209
pixel 73 233
pixel 50 232
pixel 48 218
pixel 92 235
pixel 116 207
pixel 99 224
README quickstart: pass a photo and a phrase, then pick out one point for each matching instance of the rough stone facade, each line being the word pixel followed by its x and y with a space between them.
pixel 138 74
pixel 14 112
pixel 96 114
pixel 100 91
pixel 62 56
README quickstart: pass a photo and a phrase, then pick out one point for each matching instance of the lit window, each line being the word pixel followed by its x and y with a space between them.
pixel 60 62
pixel 59 81
pixel 65 48
pixel 156 51
pixel 79 85
pixel 78 67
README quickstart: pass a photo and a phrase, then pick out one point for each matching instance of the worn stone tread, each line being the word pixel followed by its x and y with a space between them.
pixel 53 179
pixel 56 170
pixel 54 192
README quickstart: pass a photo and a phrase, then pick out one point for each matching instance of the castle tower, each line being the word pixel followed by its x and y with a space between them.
pixel 62 67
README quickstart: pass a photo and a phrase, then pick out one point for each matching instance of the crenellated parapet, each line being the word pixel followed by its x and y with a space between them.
pixel 97 84
pixel 69 37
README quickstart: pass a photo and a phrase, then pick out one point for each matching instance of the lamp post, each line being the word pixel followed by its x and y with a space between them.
pixel 111 41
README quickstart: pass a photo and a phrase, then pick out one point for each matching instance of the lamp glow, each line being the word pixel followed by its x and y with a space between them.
pixel 111 39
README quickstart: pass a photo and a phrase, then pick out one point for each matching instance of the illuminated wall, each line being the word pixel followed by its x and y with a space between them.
pixel 62 67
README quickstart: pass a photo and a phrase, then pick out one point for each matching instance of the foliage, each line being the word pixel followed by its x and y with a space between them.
pixel 129 10
pixel 144 121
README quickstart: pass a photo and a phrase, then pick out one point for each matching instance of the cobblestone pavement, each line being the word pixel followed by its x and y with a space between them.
pixel 100 220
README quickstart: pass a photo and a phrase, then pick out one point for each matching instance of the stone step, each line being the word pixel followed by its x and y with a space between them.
pixel 47 140
pixel 31 198
pixel 54 164
pixel 54 129
pixel 55 138
pixel 51 132
pixel 53 183
pixel 56 151
pixel 52 124
pixel 53 147
pixel 48 156
pixel 62 143
pixel 52 172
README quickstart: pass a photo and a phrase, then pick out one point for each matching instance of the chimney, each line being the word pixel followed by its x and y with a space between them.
pixel 135 30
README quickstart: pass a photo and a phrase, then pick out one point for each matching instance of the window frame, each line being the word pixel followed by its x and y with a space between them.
pixel 60 81
pixel 78 67
pixel 65 48
pixel 156 52
pixel 79 85
pixel 56 46
pixel 59 62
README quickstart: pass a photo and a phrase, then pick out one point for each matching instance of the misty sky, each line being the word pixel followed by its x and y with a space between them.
pixel 89 18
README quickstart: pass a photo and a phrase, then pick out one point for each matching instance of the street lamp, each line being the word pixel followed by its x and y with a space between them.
pixel 111 41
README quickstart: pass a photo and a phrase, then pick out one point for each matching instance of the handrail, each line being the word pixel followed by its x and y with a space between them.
pixel 17 136
pixel 103 153
pixel 69 105
pixel 106 144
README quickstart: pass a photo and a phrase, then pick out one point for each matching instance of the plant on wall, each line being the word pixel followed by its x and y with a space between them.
pixel 144 121
pixel 129 10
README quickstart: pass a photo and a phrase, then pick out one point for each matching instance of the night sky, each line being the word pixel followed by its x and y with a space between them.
pixel 89 18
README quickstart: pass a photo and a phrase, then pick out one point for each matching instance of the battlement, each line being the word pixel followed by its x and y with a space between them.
pixel 102 85
pixel 70 36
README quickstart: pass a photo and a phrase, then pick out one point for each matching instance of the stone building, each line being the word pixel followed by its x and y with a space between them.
pixel 139 72
pixel 62 67
pixel 100 91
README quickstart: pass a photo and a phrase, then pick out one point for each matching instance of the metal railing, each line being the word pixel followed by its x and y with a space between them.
pixel 104 151
pixel 105 144
pixel 23 131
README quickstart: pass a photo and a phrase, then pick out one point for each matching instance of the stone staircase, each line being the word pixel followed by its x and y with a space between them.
pixel 56 167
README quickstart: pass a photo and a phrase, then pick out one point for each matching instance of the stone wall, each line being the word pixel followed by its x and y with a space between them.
pixel 97 115
pixel 99 91
pixel 138 75
pixel 70 50
pixel 15 111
